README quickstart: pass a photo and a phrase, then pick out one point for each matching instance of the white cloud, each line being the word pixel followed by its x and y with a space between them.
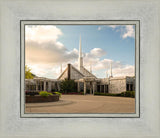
pixel 42 33
pixel 42 46
pixel 97 52
pixel 129 32
pixel 45 54
pixel 48 52
pixel 100 67
pixel 128 70
pixel 46 70
pixel 93 56
pixel 99 28
pixel 106 26
pixel 126 30
pixel 113 26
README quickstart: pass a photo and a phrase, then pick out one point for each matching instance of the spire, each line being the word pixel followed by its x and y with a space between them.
pixel 80 48
pixel 61 68
pixel 90 68
pixel 106 73
pixel 111 69
pixel 80 59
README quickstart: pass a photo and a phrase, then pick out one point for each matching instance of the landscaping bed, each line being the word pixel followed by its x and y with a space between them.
pixel 41 99
pixel 42 96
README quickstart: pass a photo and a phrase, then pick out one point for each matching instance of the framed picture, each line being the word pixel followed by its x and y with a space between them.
pixel 87 83
pixel 23 23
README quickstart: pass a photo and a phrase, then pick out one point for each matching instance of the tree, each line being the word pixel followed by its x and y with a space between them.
pixel 28 74
pixel 68 86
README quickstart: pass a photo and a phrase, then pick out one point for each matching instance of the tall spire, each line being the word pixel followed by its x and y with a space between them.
pixel 61 68
pixel 111 69
pixel 80 48
pixel 90 68
pixel 106 73
pixel 80 59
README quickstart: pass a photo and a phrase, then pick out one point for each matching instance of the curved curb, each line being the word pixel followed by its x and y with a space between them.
pixel 59 103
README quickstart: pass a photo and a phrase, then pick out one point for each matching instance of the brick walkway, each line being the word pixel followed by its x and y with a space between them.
pixel 84 104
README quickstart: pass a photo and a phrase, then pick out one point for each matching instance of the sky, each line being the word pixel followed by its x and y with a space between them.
pixel 48 47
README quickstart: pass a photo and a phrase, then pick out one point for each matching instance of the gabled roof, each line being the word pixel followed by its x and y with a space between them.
pixel 62 74
pixel 86 73
pixel 72 73
pixel 77 70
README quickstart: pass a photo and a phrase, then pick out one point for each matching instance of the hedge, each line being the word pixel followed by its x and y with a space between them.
pixel 122 94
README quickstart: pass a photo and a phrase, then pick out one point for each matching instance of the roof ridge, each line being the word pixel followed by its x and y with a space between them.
pixel 89 72
pixel 77 70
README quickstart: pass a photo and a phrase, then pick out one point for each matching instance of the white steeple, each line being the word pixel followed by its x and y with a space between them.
pixel 111 69
pixel 106 73
pixel 80 59
pixel 90 68
pixel 61 68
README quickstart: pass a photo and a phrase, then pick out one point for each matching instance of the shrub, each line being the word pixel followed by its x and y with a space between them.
pixel 68 86
pixel 107 94
pixel 45 93
pixel 122 94
pixel 130 94
pixel 50 94
pixel 32 93
pixel 82 93
pixel 58 93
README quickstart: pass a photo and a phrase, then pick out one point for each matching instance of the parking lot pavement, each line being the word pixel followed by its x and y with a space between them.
pixel 84 104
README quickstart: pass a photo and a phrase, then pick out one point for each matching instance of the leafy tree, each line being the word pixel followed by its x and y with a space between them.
pixel 68 86
pixel 28 74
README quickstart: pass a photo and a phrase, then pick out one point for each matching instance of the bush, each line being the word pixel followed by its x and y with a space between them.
pixel 82 93
pixel 130 94
pixel 32 93
pixel 122 94
pixel 58 93
pixel 45 93
pixel 107 94
pixel 50 94
pixel 67 86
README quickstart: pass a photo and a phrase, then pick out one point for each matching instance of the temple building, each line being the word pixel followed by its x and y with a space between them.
pixel 85 80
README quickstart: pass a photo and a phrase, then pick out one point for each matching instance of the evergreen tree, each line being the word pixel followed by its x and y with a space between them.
pixel 68 86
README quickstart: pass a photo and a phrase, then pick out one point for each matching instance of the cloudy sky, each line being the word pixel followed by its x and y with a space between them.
pixel 49 46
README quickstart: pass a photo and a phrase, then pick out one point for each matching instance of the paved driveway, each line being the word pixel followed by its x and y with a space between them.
pixel 84 104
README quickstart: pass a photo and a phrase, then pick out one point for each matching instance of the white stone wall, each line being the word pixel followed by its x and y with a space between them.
pixel 104 81
pixel 117 85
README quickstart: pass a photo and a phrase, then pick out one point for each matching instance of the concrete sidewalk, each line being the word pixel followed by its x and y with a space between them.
pixel 84 104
